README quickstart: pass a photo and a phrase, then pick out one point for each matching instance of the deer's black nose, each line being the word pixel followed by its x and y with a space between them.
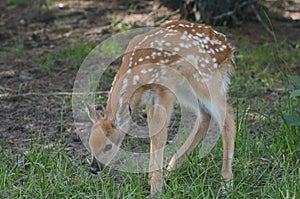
pixel 96 166
pixel 95 170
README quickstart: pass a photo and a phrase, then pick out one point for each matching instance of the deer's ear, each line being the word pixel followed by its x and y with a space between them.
pixel 93 114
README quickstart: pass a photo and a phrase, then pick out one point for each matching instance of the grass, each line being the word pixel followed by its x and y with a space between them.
pixel 266 164
pixel 19 3
pixel 24 3
pixel 72 55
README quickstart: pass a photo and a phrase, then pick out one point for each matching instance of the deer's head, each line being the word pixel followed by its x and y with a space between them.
pixel 105 139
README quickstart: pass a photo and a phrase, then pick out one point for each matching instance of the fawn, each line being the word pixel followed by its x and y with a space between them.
pixel 177 59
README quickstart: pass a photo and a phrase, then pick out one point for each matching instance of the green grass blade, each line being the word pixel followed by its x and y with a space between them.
pixel 295 80
pixel 295 93
pixel 292 120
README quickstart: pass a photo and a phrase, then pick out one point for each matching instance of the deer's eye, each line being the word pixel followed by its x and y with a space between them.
pixel 107 148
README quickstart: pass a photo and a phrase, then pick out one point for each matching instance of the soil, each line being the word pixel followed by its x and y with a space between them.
pixel 35 102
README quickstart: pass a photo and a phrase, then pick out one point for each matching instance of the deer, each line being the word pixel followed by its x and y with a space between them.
pixel 177 59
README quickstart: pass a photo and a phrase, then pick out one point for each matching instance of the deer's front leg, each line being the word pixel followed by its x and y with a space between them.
pixel 158 114
pixel 156 160
pixel 158 135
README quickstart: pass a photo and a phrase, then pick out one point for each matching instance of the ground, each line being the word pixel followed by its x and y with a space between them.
pixel 41 51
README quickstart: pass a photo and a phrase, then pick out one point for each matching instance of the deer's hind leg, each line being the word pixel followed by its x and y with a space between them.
pixel 200 128
pixel 228 137
pixel 223 115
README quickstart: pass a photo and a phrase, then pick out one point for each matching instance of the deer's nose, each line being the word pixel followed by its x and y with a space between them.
pixel 95 170
pixel 96 167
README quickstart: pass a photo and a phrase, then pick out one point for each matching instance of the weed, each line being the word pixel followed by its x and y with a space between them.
pixel 73 55
pixel 19 3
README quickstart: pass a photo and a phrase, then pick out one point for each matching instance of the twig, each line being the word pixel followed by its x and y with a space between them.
pixel 148 16
pixel 154 12
pixel 261 21
pixel 167 17
pixel 7 95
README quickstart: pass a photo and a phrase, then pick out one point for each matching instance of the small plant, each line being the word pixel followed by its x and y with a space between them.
pixel 294 120
pixel 72 55
pixel 111 47
pixel 18 3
